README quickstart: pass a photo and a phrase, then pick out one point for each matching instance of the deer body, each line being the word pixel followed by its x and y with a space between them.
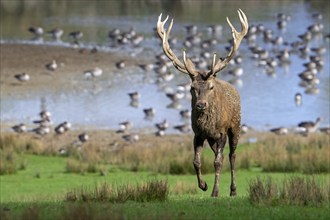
pixel 223 111
pixel 216 111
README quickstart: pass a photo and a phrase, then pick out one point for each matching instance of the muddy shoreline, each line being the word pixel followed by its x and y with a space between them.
pixel 72 62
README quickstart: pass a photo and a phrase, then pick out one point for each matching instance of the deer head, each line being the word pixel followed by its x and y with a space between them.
pixel 202 80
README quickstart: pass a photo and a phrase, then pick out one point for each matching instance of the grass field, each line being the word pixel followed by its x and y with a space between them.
pixel 39 191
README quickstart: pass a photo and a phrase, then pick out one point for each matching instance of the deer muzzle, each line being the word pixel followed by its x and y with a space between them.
pixel 201 105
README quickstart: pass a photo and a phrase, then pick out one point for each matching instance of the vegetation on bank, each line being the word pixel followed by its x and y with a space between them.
pixel 290 153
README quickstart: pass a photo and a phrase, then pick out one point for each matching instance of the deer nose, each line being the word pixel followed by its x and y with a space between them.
pixel 201 105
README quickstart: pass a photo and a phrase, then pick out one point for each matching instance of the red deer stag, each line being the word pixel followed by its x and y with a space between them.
pixel 216 111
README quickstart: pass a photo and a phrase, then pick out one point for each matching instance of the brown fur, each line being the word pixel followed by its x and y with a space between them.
pixel 220 118
pixel 216 110
pixel 222 114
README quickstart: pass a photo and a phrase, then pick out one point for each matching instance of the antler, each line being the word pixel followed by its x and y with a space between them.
pixel 166 47
pixel 188 67
pixel 237 37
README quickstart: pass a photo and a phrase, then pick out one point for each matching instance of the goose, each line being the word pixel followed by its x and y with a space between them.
pixel 284 56
pixel 62 128
pixel 149 112
pixel 137 40
pixel 43 122
pixel 23 77
pixel 237 71
pixel 160 133
pixel 283 17
pixel 20 128
pixel 45 114
pixel 313 90
pixel 279 130
pixel 76 35
pixel 120 64
pixel 51 66
pixel 306 37
pixel 62 151
pixel 298 99
pixel 317 16
pixel 131 137
pixel 306 75
pixel 245 128
pixel 325 130
pixel 176 96
pixel 186 114
pixel 124 126
pixel 41 130
pixel 134 96
pixel 215 29
pixel 162 125
pixel 319 50
pixel 191 29
pixel 83 137
pixel 310 126
pixel 183 87
pixel 37 31
pixel 114 33
pixel 309 83
pixel 281 24
pixel 147 67
pixel 185 128
pixel 56 33
pixel 92 73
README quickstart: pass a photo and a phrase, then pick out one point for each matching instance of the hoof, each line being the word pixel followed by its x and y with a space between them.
pixel 204 188
pixel 215 194
pixel 233 190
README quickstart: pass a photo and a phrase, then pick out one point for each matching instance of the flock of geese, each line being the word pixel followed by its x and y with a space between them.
pixel 279 54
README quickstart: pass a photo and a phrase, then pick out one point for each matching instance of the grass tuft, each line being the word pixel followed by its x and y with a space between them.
pixel 156 190
pixel 294 191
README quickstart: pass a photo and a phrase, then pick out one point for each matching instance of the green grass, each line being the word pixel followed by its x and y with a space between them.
pixel 53 181
pixel 95 184
pixel 175 208
pixel 39 191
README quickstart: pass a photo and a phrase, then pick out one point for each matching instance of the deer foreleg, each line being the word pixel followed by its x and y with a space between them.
pixel 233 141
pixel 198 145
pixel 217 148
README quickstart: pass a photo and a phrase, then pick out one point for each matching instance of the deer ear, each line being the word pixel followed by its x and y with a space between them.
pixel 209 74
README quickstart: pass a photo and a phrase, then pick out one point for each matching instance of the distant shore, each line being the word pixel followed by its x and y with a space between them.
pixel 31 59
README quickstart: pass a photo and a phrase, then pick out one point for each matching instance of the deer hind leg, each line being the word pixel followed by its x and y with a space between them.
pixel 233 141
pixel 217 147
pixel 198 145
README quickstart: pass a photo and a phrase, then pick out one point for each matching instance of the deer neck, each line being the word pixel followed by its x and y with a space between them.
pixel 205 122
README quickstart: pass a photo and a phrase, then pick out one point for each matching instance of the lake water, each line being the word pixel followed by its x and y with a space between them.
pixel 267 100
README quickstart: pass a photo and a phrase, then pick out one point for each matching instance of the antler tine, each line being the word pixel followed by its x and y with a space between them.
pixel 237 38
pixel 189 65
pixel 244 22
pixel 213 62
pixel 166 47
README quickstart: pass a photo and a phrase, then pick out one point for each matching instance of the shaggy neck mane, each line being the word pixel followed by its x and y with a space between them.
pixel 207 120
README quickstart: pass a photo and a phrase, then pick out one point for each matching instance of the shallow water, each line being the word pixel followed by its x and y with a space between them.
pixel 267 101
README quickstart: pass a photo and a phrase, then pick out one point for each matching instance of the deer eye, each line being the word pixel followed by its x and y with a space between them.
pixel 211 87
